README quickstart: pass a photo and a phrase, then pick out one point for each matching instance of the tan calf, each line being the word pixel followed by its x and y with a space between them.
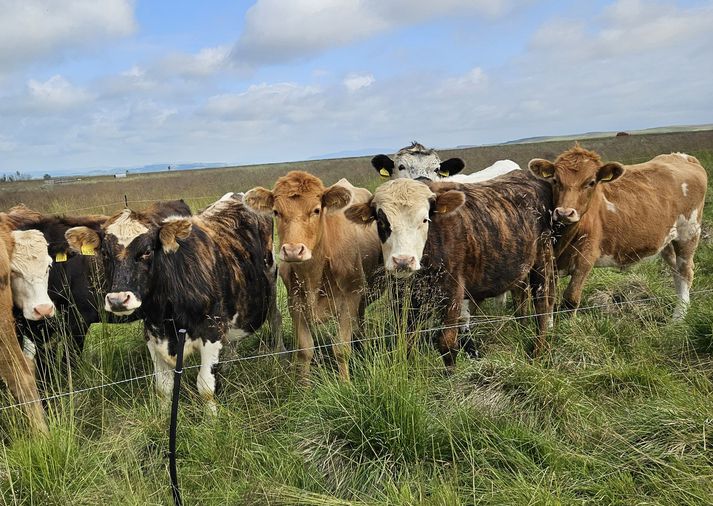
pixel 327 262
pixel 615 215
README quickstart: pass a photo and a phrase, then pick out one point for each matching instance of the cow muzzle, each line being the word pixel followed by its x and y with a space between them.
pixel 295 252
pixel 403 265
pixel 566 215
pixel 121 303
pixel 40 312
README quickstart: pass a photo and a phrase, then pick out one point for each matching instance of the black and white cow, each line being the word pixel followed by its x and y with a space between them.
pixel 205 273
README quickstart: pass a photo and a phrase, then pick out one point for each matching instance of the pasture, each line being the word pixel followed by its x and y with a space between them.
pixel 619 411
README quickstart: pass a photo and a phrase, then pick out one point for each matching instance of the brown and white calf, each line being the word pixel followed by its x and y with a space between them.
pixel 206 273
pixel 616 215
pixel 24 267
pixel 327 262
pixel 469 241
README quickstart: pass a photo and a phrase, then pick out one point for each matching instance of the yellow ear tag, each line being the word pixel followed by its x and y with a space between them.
pixel 60 257
pixel 607 178
pixel 384 173
pixel 547 174
pixel 87 250
pixel 443 173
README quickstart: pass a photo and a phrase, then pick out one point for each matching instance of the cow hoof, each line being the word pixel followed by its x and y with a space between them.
pixel 211 407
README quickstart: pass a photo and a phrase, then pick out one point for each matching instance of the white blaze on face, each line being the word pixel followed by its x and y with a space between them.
pixel 30 266
pixel 402 207
pixel 126 228
pixel 413 164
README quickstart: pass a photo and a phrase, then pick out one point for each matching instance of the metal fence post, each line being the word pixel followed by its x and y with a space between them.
pixel 181 338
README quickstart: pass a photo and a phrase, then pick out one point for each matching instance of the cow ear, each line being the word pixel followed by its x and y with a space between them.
pixel 261 200
pixel 542 168
pixel 83 240
pixel 171 231
pixel 450 167
pixel 609 172
pixel 383 165
pixel 361 214
pixel 336 197
pixel 447 202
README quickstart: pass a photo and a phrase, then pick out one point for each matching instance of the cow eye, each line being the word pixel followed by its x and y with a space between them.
pixel 401 167
pixel 275 214
pixel 426 220
pixel 591 183
pixel 316 211
pixel 146 255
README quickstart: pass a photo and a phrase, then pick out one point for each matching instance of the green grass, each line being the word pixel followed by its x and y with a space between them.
pixel 620 411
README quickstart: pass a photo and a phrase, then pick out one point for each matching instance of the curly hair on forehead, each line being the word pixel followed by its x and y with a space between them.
pixel 415 149
pixel 297 183
pixel 576 155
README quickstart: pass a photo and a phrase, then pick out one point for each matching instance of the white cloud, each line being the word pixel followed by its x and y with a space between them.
pixel 205 62
pixel 276 31
pixel 37 29
pixel 56 93
pixel 355 82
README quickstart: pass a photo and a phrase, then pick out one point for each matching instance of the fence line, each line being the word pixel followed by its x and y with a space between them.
pixel 489 319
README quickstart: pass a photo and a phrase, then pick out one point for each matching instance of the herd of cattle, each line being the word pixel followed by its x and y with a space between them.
pixel 455 239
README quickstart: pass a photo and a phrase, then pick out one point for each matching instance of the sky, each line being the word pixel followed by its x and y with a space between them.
pixel 119 83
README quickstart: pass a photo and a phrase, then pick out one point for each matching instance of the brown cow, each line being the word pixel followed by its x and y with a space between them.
pixel 469 241
pixel 616 215
pixel 14 367
pixel 327 262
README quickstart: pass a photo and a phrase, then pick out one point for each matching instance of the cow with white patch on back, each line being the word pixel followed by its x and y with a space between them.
pixel 615 215
pixel 418 162
pixel 204 273
pixel 469 241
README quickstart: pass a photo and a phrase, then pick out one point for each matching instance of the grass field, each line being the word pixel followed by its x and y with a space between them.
pixel 620 411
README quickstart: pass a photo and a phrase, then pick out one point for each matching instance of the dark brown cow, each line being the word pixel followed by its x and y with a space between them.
pixel 616 215
pixel 327 262
pixel 466 241
pixel 73 286
pixel 14 367
pixel 206 273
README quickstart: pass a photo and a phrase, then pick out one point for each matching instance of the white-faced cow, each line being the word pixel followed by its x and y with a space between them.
pixel 616 215
pixel 74 286
pixel 418 162
pixel 24 265
pixel 205 273
pixel 466 241
pixel 327 262
pixel 421 163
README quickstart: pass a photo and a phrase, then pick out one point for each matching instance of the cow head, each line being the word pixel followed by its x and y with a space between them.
pixel 576 176
pixel 403 210
pixel 298 202
pixel 416 162
pixel 129 241
pixel 30 265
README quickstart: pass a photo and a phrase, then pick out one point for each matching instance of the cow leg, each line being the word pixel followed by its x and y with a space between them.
pixel 520 299
pixel 501 300
pixel 210 356
pixel 573 293
pixel 348 312
pixel 683 273
pixel 163 377
pixel 16 374
pixel 305 344
pixel 448 339
pixel 542 288
pixel 275 326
